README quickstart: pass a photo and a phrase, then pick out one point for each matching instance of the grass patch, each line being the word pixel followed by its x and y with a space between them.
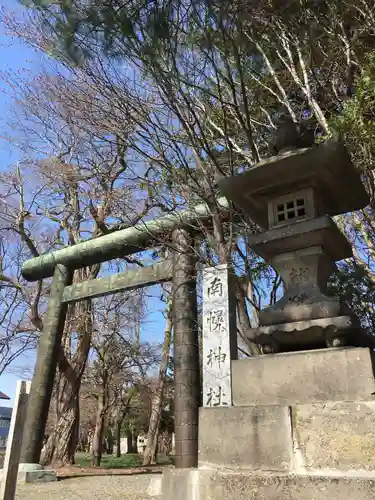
pixel 110 462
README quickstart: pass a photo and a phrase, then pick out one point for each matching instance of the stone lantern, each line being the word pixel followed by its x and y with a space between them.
pixel 293 197
pixel 295 424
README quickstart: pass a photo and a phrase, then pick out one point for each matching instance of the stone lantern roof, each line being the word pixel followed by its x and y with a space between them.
pixel 326 170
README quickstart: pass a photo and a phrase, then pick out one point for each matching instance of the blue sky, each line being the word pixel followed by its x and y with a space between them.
pixel 14 57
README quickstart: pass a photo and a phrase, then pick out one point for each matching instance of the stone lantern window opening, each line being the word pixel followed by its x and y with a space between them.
pixel 291 208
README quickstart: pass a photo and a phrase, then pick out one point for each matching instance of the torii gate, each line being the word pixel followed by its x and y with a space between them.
pixel 181 270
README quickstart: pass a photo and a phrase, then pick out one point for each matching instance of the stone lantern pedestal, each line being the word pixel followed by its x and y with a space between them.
pixel 304 255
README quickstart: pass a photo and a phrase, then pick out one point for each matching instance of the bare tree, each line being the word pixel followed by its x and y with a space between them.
pixel 17 335
pixel 157 398
pixel 76 182
pixel 180 160
pixel 203 98
pixel 117 358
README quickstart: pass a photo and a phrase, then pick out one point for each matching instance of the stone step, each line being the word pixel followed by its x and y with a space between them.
pixel 319 438
pixel 337 374
pixel 199 484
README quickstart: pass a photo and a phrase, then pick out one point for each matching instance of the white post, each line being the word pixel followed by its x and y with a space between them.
pixel 13 449
pixel 219 335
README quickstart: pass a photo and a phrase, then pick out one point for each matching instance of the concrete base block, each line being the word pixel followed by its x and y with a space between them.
pixel 37 476
pixel 199 484
pixel 181 484
pixel 33 473
pixel 248 437
pixel 24 467
pixel 335 437
pixel 331 438
pixel 226 486
pixel 341 374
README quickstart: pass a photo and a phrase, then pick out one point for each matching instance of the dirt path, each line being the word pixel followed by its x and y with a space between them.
pixel 88 488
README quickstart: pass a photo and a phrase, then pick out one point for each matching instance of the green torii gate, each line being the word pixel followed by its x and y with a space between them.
pixel 181 270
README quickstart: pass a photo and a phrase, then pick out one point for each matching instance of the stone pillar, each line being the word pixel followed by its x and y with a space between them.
pixel 12 455
pixel 219 335
pixel 45 368
pixel 186 351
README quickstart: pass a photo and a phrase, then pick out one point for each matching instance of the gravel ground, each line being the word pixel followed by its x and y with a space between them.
pixel 88 488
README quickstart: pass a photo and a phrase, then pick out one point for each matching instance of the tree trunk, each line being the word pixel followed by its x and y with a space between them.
pixel 109 437
pixel 121 413
pixel 62 442
pixel 61 445
pixel 118 439
pixel 129 439
pixel 149 456
pixel 132 442
pixel 134 448
pixel 97 442
pixel 244 321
